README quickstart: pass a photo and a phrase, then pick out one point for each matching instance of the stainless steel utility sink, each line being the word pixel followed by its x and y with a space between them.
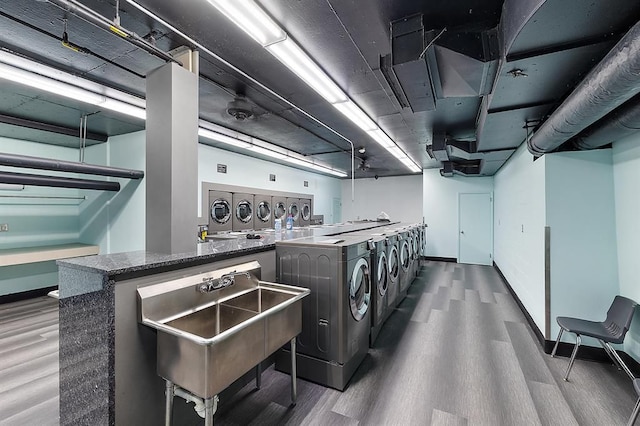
pixel 207 340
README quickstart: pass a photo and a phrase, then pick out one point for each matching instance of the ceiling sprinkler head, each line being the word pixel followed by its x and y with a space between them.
pixel 362 150
pixel 239 109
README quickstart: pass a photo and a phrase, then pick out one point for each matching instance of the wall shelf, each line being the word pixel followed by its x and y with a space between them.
pixel 21 256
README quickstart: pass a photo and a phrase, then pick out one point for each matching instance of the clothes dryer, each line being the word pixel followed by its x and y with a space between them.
pixel 279 207
pixel 263 218
pixel 379 282
pixel 242 211
pixel 305 212
pixel 220 211
pixel 336 315
pixel 293 209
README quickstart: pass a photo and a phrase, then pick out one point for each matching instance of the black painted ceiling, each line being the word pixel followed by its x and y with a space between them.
pixel 555 46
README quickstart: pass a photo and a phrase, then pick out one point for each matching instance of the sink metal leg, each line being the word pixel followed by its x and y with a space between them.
pixel 259 376
pixel 210 405
pixel 168 407
pixel 294 389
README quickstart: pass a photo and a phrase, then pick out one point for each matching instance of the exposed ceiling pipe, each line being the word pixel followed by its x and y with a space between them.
pixel 39 163
pixel 609 84
pixel 622 122
pixel 57 181
pixel 91 16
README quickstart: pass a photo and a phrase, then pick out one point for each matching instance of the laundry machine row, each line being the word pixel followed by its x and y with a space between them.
pixel 243 211
pixel 336 315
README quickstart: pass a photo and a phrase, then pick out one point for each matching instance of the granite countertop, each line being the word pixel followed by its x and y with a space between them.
pixel 216 247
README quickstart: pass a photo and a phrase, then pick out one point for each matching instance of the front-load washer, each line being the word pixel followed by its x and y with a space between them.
pixel 220 211
pixel 305 212
pixel 336 315
pixel 263 218
pixel 393 265
pixel 379 282
pixel 415 262
pixel 404 249
pixel 293 210
pixel 242 211
pixel 279 207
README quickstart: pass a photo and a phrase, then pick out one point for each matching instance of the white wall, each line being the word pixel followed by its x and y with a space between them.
pixel 519 221
pixel 399 196
pixel 581 215
pixel 254 173
pixel 440 207
pixel 626 173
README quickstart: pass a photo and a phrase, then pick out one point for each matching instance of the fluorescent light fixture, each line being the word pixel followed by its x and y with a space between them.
pixel 294 58
pixel 251 19
pixel 61 88
pixel 219 137
pixel 397 152
pixel 11 187
pixel 355 114
pixel 381 137
pixel 268 152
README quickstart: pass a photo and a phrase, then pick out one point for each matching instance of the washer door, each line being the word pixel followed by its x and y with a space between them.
pixel 220 211
pixel 293 211
pixel 393 264
pixel 405 255
pixel 264 211
pixel 383 275
pixel 279 210
pixel 306 212
pixel 360 289
pixel 243 211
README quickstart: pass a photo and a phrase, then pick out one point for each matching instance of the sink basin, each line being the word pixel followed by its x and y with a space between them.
pixel 206 341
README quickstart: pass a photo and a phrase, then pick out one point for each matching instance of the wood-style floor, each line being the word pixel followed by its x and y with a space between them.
pixel 457 351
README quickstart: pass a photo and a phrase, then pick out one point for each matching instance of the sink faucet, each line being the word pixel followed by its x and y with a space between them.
pixel 210 284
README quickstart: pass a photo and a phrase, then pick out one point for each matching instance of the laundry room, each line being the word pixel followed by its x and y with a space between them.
pixel 273 212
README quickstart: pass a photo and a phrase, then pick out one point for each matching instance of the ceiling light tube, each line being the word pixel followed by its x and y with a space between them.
pixel 355 114
pixel 381 137
pixel 294 58
pixel 218 137
pixel 397 152
pixel 247 15
pixel 267 152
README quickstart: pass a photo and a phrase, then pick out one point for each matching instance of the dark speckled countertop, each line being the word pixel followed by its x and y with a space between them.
pixel 217 247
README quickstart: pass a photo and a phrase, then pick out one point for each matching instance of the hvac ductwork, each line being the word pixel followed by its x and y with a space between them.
pixel 39 163
pixel 620 123
pixel 610 84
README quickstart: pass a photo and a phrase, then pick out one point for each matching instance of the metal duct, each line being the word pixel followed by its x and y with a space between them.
pixel 106 24
pixel 611 83
pixel 39 163
pixel 46 127
pixel 57 181
pixel 622 122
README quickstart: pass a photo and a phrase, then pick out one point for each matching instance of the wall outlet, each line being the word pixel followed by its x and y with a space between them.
pixel 4 227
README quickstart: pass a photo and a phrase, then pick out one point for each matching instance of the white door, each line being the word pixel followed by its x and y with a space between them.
pixel 475 229
pixel 336 210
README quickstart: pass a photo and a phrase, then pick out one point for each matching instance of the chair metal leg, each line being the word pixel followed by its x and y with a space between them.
pixel 555 347
pixel 634 415
pixel 573 357
pixel 620 361
pixel 608 351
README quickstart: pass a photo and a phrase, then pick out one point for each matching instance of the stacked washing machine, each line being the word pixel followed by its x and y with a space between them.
pixel 220 211
pixel 336 315
pixel 380 310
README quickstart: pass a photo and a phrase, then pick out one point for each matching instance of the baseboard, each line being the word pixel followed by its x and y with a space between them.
pixel 589 353
pixel 24 295
pixel 440 259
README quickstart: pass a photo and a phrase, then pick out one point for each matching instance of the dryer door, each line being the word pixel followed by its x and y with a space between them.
pixel 393 264
pixel 294 211
pixel 243 211
pixel 279 210
pixel 360 289
pixel 220 211
pixel 405 255
pixel 383 274
pixel 306 212
pixel 264 211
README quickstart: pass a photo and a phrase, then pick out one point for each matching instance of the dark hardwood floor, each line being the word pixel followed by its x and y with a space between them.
pixel 457 351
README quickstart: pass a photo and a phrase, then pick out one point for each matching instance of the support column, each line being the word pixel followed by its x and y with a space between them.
pixel 172 160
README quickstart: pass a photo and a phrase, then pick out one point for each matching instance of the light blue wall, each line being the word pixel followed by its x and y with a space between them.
pixel 440 208
pixel 626 174
pixel 254 173
pixel 519 221
pixel 581 214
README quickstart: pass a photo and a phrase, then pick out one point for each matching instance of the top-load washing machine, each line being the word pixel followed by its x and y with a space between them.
pixel 305 212
pixel 279 209
pixel 379 245
pixel 264 216
pixel 242 211
pixel 293 210
pixel 335 316
pixel 220 211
